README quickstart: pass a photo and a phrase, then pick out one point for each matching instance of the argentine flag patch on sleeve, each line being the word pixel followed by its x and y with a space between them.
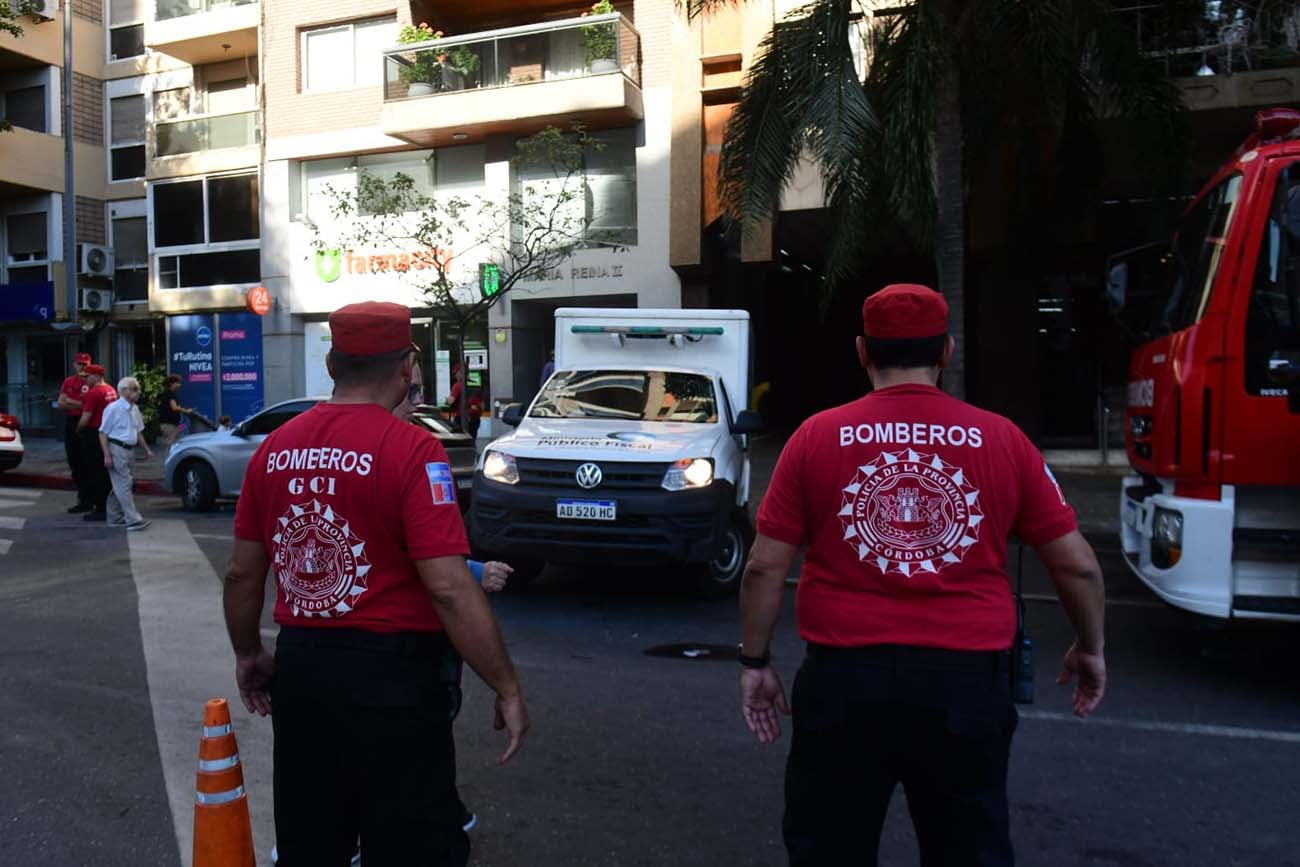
pixel 440 483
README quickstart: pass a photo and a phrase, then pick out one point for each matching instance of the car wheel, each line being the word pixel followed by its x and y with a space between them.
pixel 720 577
pixel 198 486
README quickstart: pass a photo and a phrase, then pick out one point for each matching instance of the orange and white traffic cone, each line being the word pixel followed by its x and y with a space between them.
pixel 223 832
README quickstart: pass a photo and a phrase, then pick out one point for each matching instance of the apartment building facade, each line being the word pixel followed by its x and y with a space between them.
pixel 212 136
pixel 166 133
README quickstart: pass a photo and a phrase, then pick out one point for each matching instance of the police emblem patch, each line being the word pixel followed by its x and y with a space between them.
pixel 320 564
pixel 909 512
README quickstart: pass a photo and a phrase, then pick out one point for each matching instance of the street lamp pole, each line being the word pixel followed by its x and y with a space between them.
pixel 69 191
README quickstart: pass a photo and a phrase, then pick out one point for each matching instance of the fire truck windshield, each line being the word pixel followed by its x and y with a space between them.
pixel 1196 254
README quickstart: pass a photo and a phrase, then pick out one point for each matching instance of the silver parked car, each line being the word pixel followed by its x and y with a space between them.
pixel 204 467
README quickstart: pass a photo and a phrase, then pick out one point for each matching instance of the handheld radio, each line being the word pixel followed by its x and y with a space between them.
pixel 1022 650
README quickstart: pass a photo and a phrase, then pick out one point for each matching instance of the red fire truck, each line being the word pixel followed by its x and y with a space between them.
pixel 1210 519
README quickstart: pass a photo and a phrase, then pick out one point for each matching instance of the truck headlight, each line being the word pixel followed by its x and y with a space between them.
pixel 500 467
pixel 1140 426
pixel 689 473
pixel 1166 538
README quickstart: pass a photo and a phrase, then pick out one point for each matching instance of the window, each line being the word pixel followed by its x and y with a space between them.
pixel 25 107
pixel 1273 319
pixel 126 125
pixel 1197 253
pixel 347 55
pixel 266 422
pixel 416 165
pixel 631 395
pixel 172 104
pixel 131 254
pixel 26 248
pixel 178 214
pixel 611 189
pixel 603 210
pixel 454 171
pixel 125 29
pixel 201 214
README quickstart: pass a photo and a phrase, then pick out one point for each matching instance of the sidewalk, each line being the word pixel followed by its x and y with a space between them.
pixel 45 466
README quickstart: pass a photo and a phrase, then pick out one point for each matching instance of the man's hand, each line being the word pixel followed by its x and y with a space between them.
pixel 253 673
pixel 495 574
pixel 148 454
pixel 761 696
pixel 511 715
pixel 1090 669
pixel 108 461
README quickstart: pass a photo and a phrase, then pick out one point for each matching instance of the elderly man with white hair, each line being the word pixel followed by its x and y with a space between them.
pixel 119 433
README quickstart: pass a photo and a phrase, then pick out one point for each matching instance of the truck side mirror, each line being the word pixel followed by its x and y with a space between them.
pixel 747 422
pixel 513 414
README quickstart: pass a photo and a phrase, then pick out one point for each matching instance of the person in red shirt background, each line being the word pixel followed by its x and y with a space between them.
pixel 355 511
pixel 71 394
pixel 98 486
pixel 905 500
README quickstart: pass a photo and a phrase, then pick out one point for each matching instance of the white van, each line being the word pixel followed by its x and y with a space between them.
pixel 634 451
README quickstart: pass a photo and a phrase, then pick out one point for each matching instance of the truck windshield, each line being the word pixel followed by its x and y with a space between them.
pixel 1197 253
pixel 628 395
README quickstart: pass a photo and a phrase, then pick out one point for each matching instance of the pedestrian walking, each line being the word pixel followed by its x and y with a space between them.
pixel 355 510
pixel 98 396
pixel 905 500
pixel 120 430
pixel 71 393
pixel 170 412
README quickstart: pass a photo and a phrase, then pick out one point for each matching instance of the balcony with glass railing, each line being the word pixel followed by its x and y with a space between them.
pixel 1222 55
pixel 205 132
pixel 204 31
pixel 515 80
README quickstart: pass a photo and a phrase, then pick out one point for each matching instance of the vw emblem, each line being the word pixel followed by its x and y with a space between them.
pixel 588 476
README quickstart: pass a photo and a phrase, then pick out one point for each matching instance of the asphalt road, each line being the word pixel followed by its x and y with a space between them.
pixel 634 758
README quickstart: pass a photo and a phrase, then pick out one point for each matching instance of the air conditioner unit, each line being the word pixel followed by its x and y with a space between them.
pixel 96 300
pixel 95 261
pixel 43 9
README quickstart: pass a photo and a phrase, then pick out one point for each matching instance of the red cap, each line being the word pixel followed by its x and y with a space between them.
pixel 370 328
pixel 81 358
pixel 97 369
pixel 905 311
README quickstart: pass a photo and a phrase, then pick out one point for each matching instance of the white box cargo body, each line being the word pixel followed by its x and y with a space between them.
pixel 715 340
pixel 635 450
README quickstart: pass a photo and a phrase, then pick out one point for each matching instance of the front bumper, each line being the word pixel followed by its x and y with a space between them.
pixel 651 526
pixel 1224 571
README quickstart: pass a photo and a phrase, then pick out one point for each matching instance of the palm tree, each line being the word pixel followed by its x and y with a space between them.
pixel 951 84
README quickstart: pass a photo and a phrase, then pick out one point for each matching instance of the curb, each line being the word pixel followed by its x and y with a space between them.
pixel 53 482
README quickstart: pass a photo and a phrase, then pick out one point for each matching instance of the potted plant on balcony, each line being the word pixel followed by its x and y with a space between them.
pixel 424 72
pixel 464 60
pixel 601 40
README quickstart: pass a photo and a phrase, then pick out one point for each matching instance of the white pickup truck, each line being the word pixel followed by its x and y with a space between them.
pixel 634 451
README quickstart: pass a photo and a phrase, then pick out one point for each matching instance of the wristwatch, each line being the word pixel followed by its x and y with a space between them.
pixel 753 661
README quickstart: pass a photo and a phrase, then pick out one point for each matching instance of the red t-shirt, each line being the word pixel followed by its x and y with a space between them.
pixel 345 497
pixel 905 499
pixel 74 387
pixel 95 400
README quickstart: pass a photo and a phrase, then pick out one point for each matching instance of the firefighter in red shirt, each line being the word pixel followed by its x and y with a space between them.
pixel 98 396
pixel 355 510
pixel 71 393
pixel 905 500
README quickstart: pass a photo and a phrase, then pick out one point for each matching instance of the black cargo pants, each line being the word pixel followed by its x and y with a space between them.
pixel 867 719
pixel 363 749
